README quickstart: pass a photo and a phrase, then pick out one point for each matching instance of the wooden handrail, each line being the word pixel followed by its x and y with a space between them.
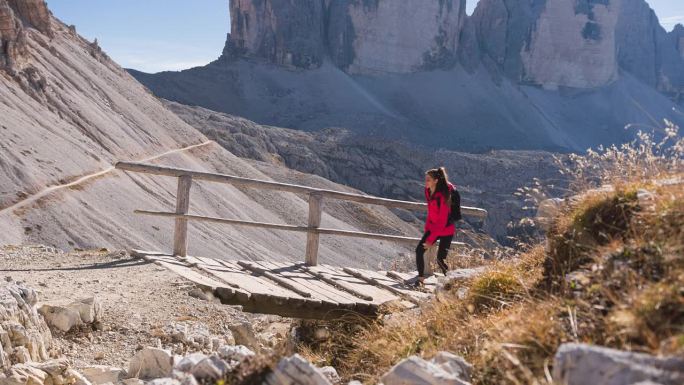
pixel 293 188
pixel 276 226
pixel 316 195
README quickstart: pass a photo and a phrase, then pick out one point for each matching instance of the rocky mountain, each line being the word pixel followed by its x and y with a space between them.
pixel 68 113
pixel 531 74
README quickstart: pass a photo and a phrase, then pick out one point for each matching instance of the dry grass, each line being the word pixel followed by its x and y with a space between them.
pixel 625 290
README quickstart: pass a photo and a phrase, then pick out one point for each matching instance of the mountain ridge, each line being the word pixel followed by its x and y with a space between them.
pixel 470 83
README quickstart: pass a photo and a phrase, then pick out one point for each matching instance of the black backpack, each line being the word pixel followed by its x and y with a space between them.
pixel 455 214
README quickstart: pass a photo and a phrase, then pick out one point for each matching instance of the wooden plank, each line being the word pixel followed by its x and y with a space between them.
pixel 180 232
pixel 315 211
pixel 226 221
pixel 409 278
pixel 388 284
pixel 261 184
pixel 250 282
pixel 275 226
pixel 379 294
pixel 188 273
pixel 317 288
pixel 280 281
pixel 339 284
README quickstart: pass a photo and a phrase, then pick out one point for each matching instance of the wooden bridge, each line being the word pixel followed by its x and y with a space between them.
pixel 302 290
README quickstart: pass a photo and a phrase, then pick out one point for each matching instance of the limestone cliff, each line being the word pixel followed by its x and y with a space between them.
pixel 394 36
pixel 281 31
pixel 573 45
pixel 359 35
pixel 16 16
pixel 552 43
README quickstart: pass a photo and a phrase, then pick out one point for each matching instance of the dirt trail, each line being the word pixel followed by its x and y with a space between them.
pixel 48 190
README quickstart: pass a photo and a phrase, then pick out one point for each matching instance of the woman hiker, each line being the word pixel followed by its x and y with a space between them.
pixel 438 225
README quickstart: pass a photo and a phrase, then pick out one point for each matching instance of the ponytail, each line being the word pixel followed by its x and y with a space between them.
pixel 440 175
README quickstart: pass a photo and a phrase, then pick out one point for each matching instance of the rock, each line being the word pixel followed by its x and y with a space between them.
pixel 22 329
pixel 164 381
pixel 23 374
pixel 201 294
pixel 60 317
pixel 151 363
pixel 102 374
pixel 454 364
pixel 296 370
pixel 65 317
pixel 331 374
pixel 210 368
pixel 76 378
pixel 185 378
pixel 444 369
pixel 188 362
pixel 89 309
pixel 580 364
pixel 243 333
pixel 235 352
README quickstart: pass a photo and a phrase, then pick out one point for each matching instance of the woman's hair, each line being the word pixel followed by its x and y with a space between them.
pixel 440 175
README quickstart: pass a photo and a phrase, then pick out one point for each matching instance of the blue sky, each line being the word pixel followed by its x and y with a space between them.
pixel 159 35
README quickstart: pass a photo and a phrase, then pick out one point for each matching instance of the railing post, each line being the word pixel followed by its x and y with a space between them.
pixel 180 233
pixel 314 222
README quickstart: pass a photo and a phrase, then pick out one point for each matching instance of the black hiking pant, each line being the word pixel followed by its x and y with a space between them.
pixel 444 244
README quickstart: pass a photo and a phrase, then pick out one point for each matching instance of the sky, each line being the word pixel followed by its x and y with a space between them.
pixel 170 35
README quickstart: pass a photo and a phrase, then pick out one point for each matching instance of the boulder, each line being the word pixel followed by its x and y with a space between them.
pixel 24 374
pixel 64 317
pixel 60 317
pixel 186 363
pixel 331 374
pixel 296 370
pixel 444 369
pixel 102 374
pixel 236 353
pixel 76 378
pixel 151 363
pixel 210 368
pixel 24 335
pixel 580 364
pixel 243 333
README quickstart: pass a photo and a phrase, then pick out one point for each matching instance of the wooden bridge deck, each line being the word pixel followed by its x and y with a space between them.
pixel 295 289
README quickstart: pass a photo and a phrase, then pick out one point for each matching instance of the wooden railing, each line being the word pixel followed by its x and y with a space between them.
pixel 315 198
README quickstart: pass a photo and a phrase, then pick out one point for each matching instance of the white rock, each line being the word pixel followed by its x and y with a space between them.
pixel 452 363
pixel 23 374
pixel 210 368
pixel 444 369
pixel 235 353
pixel 151 363
pixel 60 317
pixel 186 364
pixel 76 378
pixel 331 374
pixel 296 370
pixel 164 381
pixel 89 309
pixel 580 364
pixel 102 374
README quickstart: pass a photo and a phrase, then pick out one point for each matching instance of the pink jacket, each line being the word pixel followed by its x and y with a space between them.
pixel 438 216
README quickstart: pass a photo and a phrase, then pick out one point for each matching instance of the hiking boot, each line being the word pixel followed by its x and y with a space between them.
pixel 443 266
